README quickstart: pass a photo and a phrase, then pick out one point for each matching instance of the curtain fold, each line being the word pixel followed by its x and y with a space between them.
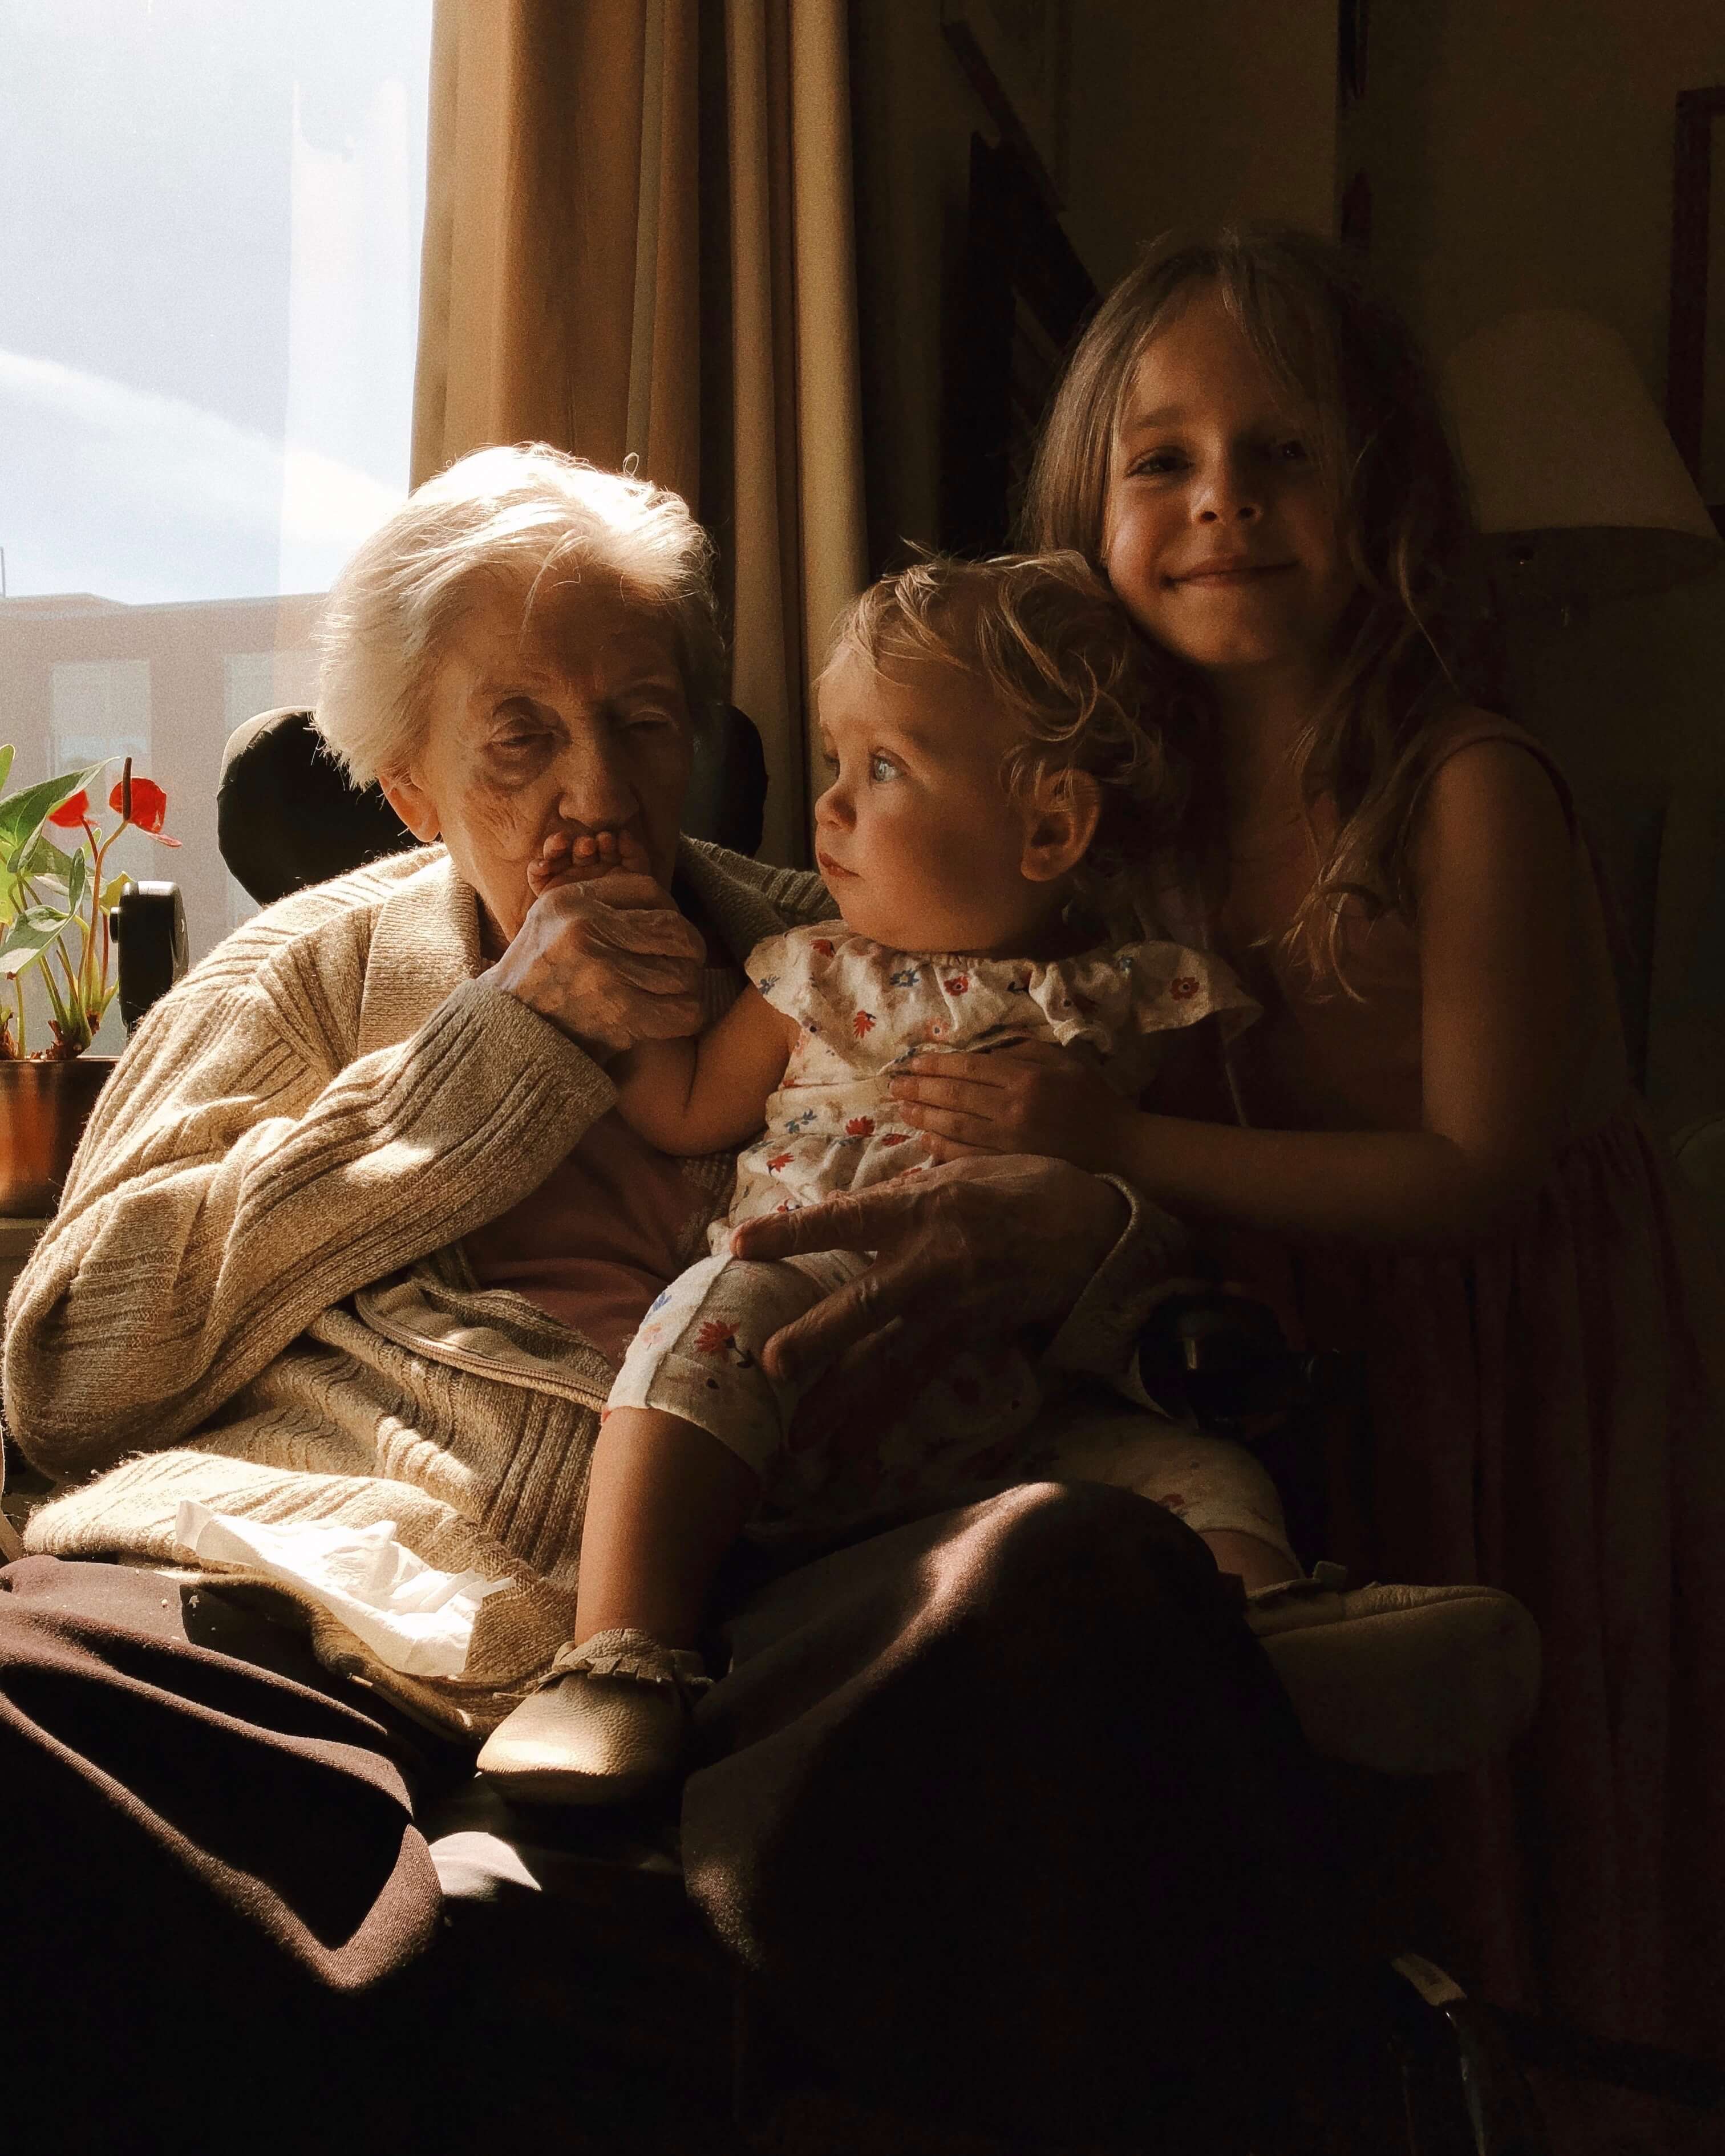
pixel 573 290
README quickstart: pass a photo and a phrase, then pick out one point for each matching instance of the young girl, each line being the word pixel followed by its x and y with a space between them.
pixel 992 768
pixel 1428 1149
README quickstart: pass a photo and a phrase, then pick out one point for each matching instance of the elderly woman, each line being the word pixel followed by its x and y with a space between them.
pixel 354 1237
pixel 354 1234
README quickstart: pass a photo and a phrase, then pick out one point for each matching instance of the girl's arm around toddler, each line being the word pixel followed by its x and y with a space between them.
pixel 1498 930
pixel 709 1090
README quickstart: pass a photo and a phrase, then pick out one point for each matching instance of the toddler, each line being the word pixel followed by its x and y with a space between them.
pixel 993 773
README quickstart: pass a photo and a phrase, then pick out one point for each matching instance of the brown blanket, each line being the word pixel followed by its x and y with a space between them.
pixel 1008 1810
pixel 1003 1808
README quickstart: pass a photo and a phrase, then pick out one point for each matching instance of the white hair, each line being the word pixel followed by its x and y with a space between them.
pixel 499 517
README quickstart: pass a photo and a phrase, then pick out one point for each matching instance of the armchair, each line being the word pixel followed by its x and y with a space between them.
pixel 579 1922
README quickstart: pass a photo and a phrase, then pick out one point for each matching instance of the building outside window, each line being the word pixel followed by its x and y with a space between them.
pixel 209 297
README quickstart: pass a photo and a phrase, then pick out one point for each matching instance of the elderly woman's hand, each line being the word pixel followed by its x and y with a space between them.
pixel 608 959
pixel 966 1254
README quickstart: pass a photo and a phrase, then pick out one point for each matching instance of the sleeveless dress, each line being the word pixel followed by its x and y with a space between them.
pixel 1547 1415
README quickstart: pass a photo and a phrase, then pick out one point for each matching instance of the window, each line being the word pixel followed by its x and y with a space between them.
pixel 100 710
pixel 267 681
pixel 209 297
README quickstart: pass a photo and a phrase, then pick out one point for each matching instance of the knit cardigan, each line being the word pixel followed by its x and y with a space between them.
pixel 253 1293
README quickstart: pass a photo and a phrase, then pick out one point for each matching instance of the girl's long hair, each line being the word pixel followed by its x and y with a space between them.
pixel 1413 642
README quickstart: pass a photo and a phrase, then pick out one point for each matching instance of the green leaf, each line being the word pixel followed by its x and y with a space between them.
pixel 28 939
pixel 21 817
pixel 28 810
pixel 112 893
pixel 56 1001
pixel 5 764
pixel 49 859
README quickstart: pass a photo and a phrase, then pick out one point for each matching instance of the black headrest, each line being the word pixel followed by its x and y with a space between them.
pixel 727 801
pixel 286 816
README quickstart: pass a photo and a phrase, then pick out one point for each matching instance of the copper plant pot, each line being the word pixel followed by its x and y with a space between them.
pixel 43 1107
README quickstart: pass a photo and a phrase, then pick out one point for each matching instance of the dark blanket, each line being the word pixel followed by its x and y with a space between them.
pixel 1010 1813
pixel 1003 1808
pixel 215 1895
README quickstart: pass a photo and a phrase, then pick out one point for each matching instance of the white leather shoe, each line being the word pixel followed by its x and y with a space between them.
pixel 609 1722
pixel 1406 1680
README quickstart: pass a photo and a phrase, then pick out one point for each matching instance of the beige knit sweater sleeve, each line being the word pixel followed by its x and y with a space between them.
pixel 246 1169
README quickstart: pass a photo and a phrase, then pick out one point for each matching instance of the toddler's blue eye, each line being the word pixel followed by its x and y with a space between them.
pixel 882 768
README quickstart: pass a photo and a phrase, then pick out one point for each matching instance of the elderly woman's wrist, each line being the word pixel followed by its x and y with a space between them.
pixel 597 1048
pixel 1117 1202
pixel 603 1053
pixel 574 1054
pixel 1100 1330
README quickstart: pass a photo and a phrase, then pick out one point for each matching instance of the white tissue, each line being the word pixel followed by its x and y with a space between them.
pixel 414 1618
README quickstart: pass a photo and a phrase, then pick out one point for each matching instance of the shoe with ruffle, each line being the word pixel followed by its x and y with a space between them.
pixel 609 1722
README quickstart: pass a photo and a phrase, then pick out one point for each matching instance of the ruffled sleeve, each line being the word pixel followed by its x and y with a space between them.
pixel 1105 997
pixel 841 990
pixel 1173 985
pixel 779 967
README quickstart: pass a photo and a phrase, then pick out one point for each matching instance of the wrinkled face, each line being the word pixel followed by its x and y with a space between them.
pixel 572 725
pixel 917 837
pixel 1221 540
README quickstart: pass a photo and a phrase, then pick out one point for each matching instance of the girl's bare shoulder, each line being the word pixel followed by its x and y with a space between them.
pixel 1491 791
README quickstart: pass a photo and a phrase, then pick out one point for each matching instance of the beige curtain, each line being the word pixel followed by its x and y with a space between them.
pixel 638 241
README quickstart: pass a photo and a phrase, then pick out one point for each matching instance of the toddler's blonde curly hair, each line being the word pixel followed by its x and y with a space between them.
pixel 1061 656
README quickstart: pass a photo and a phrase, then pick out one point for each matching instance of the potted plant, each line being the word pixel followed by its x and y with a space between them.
pixel 56 899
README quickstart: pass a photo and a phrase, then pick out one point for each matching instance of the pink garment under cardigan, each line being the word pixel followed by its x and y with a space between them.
pixel 613 1223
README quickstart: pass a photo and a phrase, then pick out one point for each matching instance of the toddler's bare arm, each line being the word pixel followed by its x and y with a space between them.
pixel 709 1090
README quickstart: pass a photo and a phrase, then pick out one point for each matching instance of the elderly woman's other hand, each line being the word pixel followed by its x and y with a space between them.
pixel 608 959
pixel 965 1254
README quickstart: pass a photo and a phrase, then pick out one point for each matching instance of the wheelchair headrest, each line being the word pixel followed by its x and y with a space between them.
pixel 285 814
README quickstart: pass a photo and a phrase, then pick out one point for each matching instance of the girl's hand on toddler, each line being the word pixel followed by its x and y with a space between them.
pixel 1034 1097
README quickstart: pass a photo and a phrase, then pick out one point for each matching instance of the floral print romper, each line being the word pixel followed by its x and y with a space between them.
pixel 833 1126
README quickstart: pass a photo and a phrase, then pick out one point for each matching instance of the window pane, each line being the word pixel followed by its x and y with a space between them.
pixel 209 289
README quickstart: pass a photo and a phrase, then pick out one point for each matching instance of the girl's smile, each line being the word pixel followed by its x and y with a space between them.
pixel 1229 571
pixel 1222 539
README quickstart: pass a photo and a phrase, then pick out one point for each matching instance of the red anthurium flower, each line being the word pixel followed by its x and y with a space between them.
pixel 149 806
pixel 71 813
